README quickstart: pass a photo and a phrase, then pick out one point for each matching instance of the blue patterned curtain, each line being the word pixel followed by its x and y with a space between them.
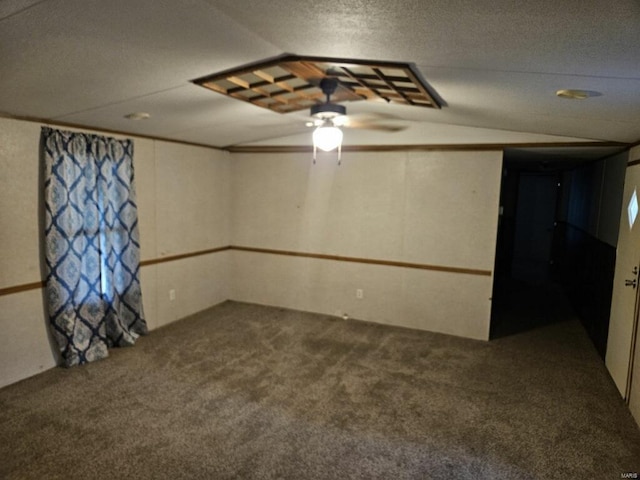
pixel 91 244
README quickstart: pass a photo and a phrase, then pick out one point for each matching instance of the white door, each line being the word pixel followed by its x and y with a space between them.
pixel 634 388
pixel 624 308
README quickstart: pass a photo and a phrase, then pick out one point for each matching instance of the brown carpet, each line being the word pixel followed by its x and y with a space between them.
pixel 245 391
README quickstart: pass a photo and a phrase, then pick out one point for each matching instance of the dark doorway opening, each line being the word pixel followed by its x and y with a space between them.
pixel 558 228
pixel 527 293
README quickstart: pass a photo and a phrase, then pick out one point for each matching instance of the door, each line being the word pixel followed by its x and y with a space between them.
pixel 634 387
pixel 624 303
pixel 535 217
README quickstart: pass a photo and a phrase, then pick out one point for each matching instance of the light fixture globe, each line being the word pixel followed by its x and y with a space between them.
pixel 327 138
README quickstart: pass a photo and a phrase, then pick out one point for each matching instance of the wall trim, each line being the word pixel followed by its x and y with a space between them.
pixel 634 162
pixel 154 261
pixel 21 288
pixel 182 256
pixel 369 261
pixel 55 123
pixel 321 256
pixel 580 229
pixel 345 148
pixel 421 147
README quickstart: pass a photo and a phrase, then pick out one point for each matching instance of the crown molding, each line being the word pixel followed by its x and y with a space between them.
pixel 423 147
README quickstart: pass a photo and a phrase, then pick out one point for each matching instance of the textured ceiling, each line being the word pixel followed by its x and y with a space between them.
pixel 495 64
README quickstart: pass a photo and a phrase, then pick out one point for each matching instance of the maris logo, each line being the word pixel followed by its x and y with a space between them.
pixel 629 475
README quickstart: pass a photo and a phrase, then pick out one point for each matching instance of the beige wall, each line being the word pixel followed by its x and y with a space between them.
pixel 185 208
pixel 434 208
pixel 437 208
pixel 183 204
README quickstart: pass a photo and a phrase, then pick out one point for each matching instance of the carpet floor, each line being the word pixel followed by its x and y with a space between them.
pixel 246 391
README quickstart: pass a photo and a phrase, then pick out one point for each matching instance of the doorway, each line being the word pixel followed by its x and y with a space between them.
pixel 526 294
pixel 577 281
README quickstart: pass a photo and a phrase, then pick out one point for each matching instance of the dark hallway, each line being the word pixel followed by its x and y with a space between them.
pixel 519 306
pixel 526 295
pixel 555 253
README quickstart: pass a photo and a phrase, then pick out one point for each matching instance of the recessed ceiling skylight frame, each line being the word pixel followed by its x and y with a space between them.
pixel 290 83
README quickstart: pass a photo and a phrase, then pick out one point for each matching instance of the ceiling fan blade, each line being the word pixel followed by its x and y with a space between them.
pixel 375 126
pixel 372 121
pixel 371 117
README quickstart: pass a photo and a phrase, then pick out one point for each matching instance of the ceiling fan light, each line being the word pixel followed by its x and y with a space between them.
pixel 327 138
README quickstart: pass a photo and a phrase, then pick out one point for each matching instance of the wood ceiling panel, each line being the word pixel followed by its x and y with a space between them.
pixel 290 83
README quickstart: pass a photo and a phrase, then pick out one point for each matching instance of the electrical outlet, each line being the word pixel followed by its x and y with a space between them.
pixel 359 293
pixel 172 295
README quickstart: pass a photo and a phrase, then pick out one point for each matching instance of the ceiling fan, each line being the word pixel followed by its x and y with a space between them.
pixel 328 118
